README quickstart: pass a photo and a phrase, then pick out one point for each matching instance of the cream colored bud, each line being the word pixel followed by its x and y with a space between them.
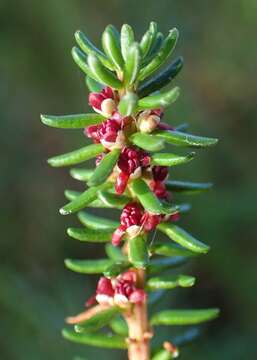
pixel 108 106
pixel 118 144
pixel 149 123
pixel 103 299
pixel 136 174
pixel 121 300
pixel 133 231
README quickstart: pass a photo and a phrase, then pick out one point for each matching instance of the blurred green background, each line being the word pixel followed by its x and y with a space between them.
pixel 218 42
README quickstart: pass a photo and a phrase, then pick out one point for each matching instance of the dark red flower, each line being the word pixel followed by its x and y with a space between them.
pixel 104 287
pixel 103 102
pixel 108 133
pixel 150 221
pixel 130 162
pixel 159 189
pixel 131 215
pixel 160 173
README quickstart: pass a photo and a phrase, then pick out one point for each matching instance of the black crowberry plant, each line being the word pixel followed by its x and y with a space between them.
pixel 131 174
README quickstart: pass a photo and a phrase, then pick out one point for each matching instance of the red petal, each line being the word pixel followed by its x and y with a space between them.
pixel 95 100
pixel 138 296
pixel 121 183
pixel 117 236
pixel 91 301
pixel 104 287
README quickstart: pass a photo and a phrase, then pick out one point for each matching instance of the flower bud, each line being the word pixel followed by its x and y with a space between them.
pixel 138 296
pixel 108 106
pixel 148 122
pixel 103 102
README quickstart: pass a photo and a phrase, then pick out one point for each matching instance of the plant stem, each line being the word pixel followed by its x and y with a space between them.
pixel 137 320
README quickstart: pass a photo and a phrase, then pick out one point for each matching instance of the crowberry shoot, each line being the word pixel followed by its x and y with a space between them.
pixel 128 96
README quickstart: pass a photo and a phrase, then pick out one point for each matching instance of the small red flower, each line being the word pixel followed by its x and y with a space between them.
pixel 103 102
pixel 131 216
pixel 121 291
pixel 130 163
pixel 150 221
pixel 159 188
pixel 109 133
pixel 160 173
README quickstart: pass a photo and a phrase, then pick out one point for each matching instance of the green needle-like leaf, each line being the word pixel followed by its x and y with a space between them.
pixel 119 326
pixel 170 249
pixel 147 142
pixel 89 235
pixel 78 121
pixel 84 199
pixel 97 321
pixel 101 340
pixel 162 354
pixel 138 252
pixel 76 156
pixel 168 159
pixel 183 238
pixel 113 200
pixel 112 47
pixel 93 85
pixel 115 253
pixel 165 51
pixel 81 174
pixel 126 39
pixel 86 45
pixel 132 65
pixel 96 222
pixel 116 269
pixel 71 194
pixel 105 168
pixel 148 199
pixel 162 99
pixel 187 187
pixel 81 60
pixel 148 39
pixel 185 139
pixel 155 48
pixel 162 79
pixel 101 74
pixel 184 317
pixel 128 104
pixel 170 282
pixel 88 266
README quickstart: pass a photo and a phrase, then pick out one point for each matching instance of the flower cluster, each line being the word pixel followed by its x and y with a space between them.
pixel 132 163
pixel 121 291
pixel 134 220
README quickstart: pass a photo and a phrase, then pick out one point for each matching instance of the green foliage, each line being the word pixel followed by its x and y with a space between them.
pixel 138 252
pixel 108 341
pixel 104 169
pixel 97 321
pixel 184 317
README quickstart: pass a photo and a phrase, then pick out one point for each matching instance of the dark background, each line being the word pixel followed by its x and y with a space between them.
pixel 218 42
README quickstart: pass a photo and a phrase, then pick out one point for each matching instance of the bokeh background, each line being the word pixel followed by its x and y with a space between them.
pixel 218 42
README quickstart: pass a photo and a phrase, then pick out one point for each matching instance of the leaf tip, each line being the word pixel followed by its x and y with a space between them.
pixel 63 211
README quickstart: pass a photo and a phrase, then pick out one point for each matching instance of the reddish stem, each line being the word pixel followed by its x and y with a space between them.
pixel 139 331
